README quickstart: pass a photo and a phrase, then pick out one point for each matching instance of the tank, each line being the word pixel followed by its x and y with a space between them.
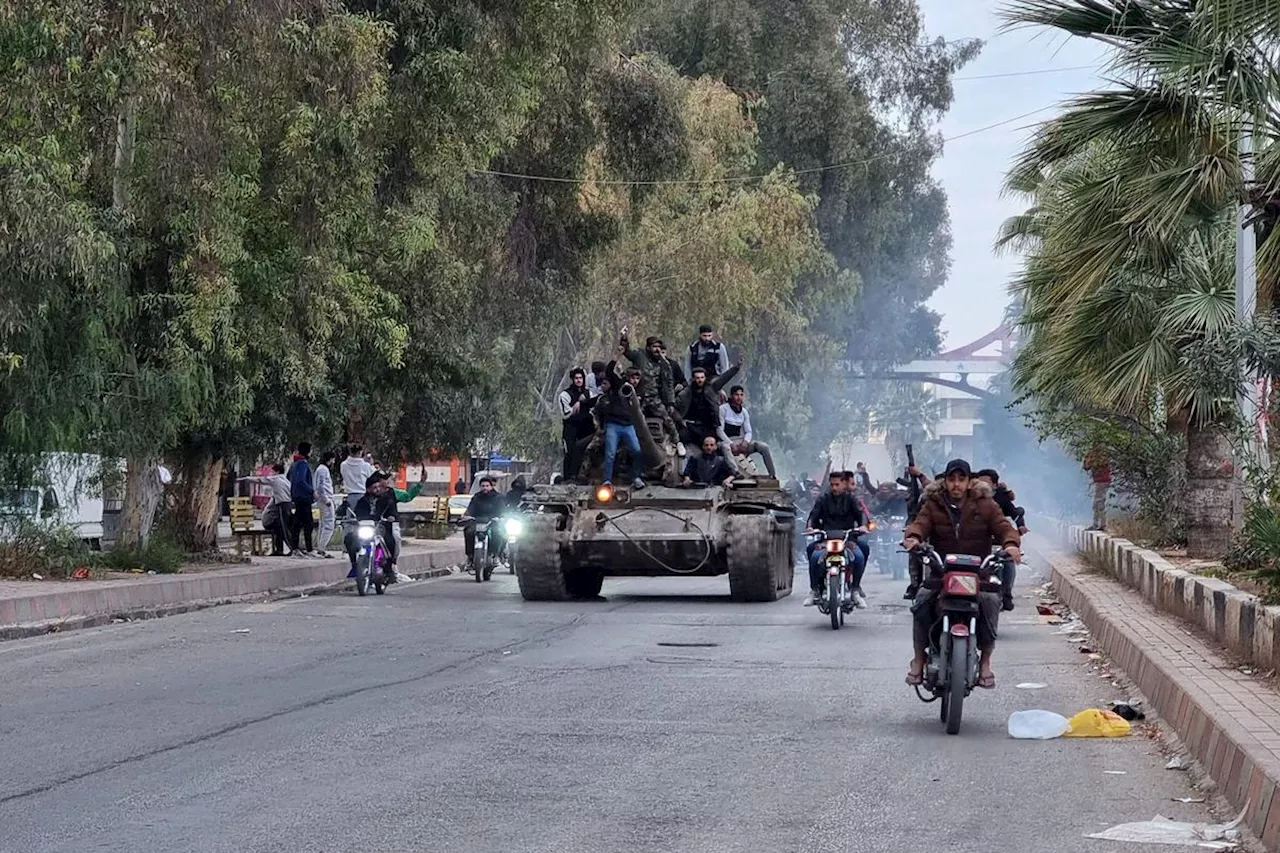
pixel 574 539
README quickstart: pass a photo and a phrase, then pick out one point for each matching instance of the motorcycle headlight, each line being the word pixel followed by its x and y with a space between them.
pixel 513 527
pixel 365 531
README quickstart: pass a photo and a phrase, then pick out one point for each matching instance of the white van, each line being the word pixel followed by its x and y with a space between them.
pixel 67 490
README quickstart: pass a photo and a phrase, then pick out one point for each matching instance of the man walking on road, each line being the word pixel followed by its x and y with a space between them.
pixel 302 490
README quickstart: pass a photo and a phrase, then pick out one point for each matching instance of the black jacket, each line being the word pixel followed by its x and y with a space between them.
pixel 381 508
pixel 837 512
pixel 612 409
pixel 486 506
pixel 711 469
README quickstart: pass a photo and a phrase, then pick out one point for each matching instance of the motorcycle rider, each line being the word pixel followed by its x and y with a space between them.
pixel 486 506
pixel 1003 497
pixel 851 486
pixel 736 429
pixel 377 504
pixel 836 510
pixel 708 466
pixel 959 516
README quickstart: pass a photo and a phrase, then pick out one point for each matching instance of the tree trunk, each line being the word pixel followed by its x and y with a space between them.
pixel 1211 488
pixel 199 501
pixel 142 492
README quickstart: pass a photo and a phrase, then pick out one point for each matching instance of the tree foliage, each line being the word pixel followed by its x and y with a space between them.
pixel 228 227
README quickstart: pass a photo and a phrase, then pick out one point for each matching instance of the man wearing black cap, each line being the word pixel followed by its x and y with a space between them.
pixel 378 503
pixel 959 516
pixel 708 353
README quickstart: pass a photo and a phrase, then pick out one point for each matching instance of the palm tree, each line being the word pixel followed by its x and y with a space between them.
pixel 1135 192
pixel 907 413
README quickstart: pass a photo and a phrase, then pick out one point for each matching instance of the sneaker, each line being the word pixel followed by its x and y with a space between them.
pixel 681 450
pixel 638 484
pixel 325 554
pixel 814 595
pixel 859 600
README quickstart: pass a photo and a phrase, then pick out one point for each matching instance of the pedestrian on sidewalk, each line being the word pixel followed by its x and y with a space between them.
pixel 1099 468
pixel 303 492
pixel 356 471
pixel 275 517
pixel 325 498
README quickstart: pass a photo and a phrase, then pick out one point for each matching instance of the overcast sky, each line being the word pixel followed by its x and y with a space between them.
pixel 972 169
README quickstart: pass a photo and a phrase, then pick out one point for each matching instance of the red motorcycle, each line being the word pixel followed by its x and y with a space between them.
pixel 951 664
pixel 837 598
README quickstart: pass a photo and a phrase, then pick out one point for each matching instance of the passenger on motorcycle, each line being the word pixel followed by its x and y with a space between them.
pixel 836 510
pixel 851 486
pixel 959 516
pixel 378 504
pixel 486 506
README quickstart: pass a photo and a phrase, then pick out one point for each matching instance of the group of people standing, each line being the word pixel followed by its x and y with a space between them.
pixel 299 488
pixel 690 400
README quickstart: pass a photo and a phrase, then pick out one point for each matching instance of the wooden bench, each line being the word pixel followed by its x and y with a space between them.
pixel 430 522
pixel 245 526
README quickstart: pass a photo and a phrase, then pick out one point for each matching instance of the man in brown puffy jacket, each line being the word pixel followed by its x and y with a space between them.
pixel 959 516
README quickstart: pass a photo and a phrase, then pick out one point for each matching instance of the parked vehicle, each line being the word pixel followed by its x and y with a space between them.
pixel 63 489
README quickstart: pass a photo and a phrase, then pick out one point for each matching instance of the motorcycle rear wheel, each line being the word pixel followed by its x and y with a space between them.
pixel 953 700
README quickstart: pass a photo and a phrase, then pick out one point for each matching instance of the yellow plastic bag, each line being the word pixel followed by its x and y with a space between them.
pixel 1097 723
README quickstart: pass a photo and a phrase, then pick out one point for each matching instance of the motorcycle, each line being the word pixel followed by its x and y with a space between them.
pixel 837 597
pixel 888 535
pixel 513 528
pixel 372 556
pixel 486 557
pixel 951 662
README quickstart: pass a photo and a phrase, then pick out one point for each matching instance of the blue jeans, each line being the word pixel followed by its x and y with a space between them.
pixel 626 433
pixel 818 550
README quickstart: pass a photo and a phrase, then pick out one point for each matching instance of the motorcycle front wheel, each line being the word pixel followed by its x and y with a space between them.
pixel 834 603
pixel 957 683
pixel 481 559
pixel 362 574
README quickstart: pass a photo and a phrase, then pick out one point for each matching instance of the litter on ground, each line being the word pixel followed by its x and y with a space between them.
pixel 1161 830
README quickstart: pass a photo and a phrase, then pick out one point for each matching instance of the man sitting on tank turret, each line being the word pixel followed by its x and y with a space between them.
pixel 698 407
pixel 708 467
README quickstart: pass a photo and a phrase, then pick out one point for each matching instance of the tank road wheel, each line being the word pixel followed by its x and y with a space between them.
pixel 750 548
pixel 584 583
pixel 537 564
pixel 785 567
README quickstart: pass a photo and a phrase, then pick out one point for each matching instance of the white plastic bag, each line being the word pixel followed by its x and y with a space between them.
pixel 1161 830
pixel 1037 725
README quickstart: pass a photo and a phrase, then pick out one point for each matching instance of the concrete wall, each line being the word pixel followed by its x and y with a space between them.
pixel 1237 620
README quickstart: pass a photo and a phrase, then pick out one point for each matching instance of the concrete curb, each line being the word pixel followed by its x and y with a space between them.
pixel 1238 620
pixel 1230 724
pixel 82 606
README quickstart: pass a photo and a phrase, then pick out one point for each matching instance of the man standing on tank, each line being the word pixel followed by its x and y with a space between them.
pixel 708 353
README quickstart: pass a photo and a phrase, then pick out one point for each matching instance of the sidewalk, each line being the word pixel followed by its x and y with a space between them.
pixel 1227 720
pixel 29 608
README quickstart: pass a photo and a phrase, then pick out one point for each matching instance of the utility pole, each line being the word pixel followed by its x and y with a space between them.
pixel 1246 307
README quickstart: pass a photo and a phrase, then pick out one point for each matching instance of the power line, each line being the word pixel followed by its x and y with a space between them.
pixel 1025 73
pixel 738 178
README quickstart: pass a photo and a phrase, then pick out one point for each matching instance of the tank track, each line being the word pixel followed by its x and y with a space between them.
pixel 538 567
pixel 758 557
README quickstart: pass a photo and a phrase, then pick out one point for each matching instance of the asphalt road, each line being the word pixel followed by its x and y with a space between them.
pixel 452 716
